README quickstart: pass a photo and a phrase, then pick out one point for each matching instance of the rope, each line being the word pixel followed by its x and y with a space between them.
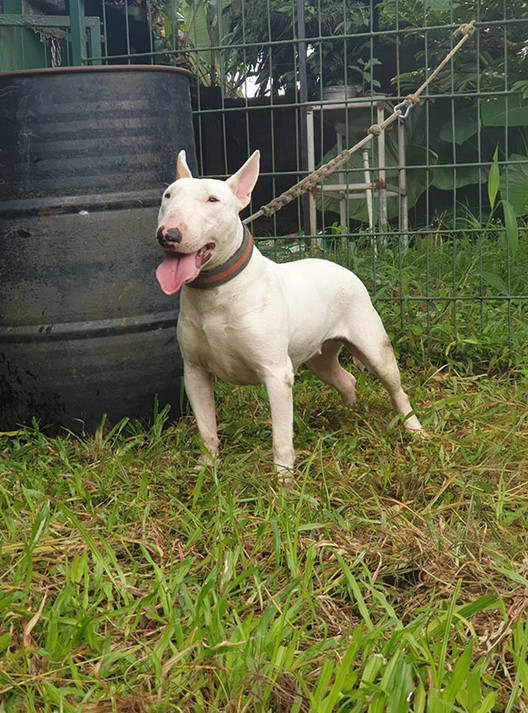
pixel 400 110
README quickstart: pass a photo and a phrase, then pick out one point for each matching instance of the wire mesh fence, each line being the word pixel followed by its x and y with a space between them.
pixel 432 215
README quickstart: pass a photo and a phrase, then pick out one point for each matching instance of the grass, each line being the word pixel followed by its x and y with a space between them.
pixel 392 577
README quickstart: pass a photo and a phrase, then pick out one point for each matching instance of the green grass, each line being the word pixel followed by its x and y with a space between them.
pixel 392 577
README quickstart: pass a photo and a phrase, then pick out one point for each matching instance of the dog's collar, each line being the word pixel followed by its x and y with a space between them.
pixel 228 269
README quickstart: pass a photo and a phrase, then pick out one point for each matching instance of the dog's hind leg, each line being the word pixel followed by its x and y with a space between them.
pixel 368 341
pixel 327 367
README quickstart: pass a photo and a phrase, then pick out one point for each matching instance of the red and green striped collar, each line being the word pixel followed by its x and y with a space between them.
pixel 228 269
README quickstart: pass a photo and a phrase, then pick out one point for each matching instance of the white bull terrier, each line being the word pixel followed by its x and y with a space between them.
pixel 249 320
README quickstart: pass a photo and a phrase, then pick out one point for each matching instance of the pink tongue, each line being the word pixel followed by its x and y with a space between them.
pixel 175 270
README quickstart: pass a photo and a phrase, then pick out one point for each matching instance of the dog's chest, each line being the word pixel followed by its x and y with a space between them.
pixel 221 345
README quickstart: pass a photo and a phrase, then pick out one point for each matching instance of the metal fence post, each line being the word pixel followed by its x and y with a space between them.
pixel 312 208
pixel 303 97
pixel 78 32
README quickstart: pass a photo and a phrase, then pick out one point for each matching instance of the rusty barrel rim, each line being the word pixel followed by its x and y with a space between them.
pixel 97 68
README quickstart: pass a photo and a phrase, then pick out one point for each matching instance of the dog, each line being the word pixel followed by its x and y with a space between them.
pixel 248 320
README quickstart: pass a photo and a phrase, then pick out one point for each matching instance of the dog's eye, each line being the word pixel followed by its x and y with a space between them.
pixel 167 195
pixel 212 199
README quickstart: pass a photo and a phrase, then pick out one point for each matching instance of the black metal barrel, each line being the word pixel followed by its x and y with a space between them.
pixel 84 328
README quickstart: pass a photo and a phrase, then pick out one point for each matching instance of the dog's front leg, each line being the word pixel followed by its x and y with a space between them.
pixel 199 388
pixel 279 387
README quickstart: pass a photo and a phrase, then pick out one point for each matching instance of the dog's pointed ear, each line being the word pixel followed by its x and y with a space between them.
pixel 243 181
pixel 182 169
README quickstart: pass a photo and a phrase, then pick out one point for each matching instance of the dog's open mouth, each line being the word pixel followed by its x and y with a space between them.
pixel 179 268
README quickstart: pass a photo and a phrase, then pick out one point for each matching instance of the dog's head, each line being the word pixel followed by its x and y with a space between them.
pixel 198 221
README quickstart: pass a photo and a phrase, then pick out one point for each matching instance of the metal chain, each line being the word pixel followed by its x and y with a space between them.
pixel 401 111
pixel 53 36
pixel 56 55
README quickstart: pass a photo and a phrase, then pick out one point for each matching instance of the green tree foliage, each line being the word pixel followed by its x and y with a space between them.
pixel 329 25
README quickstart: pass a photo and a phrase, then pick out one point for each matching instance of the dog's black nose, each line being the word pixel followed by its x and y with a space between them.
pixel 173 235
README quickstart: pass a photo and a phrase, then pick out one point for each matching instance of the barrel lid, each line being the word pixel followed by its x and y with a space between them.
pixel 98 68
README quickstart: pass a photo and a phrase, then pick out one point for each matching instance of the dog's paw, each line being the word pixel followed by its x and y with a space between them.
pixel 349 400
pixel 205 461
pixel 418 431
pixel 413 425
pixel 285 475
